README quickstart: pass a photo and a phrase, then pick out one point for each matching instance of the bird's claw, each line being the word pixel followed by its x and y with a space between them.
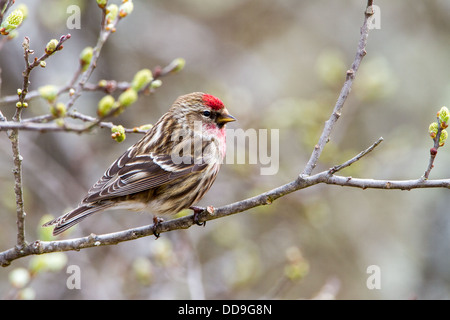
pixel 197 211
pixel 156 222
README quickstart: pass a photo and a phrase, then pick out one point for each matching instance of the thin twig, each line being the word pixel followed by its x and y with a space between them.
pixel 355 158
pixel 337 111
pixel 64 127
pixel 104 35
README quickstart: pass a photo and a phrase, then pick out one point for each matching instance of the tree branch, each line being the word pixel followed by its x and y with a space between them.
pixel 337 111
pixel 41 247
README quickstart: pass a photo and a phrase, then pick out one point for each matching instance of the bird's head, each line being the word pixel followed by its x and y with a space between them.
pixel 199 107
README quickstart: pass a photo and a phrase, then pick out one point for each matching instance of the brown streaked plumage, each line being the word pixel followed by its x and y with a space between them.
pixel 168 170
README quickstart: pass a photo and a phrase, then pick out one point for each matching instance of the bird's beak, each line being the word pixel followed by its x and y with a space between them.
pixel 224 118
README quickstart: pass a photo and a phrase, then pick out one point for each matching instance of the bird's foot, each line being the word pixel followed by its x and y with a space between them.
pixel 197 211
pixel 156 222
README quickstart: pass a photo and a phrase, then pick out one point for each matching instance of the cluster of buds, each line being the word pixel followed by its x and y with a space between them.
pixel 109 106
pixel 118 133
pixel 443 117
pixel 114 12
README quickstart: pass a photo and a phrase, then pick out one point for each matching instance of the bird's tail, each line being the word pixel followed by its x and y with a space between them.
pixel 73 217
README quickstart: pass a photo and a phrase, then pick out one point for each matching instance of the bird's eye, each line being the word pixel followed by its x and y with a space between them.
pixel 206 113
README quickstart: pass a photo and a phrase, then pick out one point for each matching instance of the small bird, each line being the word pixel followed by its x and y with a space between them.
pixel 168 170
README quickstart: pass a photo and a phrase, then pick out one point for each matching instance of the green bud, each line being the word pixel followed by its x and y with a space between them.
pixel 177 65
pixel 19 277
pixel 86 57
pixel 19 104
pixel 59 110
pixel 444 116
pixel 443 137
pixel 51 46
pixel 11 22
pixel 128 97
pixel 126 8
pixel 48 92
pixel 102 83
pixel 144 127
pixel 102 3
pixel 156 84
pixel 43 64
pixel 433 129
pixel 111 13
pixel 105 105
pixel 25 104
pixel 118 133
pixel 19 91
pixel 141 79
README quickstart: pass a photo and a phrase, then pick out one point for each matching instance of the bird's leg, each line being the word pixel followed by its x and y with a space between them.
pixel 156 222
pixel 197 211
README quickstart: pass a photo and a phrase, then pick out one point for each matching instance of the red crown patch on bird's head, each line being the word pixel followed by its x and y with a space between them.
pixel 213 102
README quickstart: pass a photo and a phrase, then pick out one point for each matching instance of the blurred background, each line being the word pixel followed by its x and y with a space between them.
pixel 276 65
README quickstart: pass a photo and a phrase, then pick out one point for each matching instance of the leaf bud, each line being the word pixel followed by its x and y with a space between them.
pixel 105 105
pixel 433 129
pixel 102 3
pixel 118 133
pixel 86 57
pixel 128 97
pixel 141 79
pixel 111 13
pixel 48 92
pixel 177 65
pixel 51 46
pixel 444 116
pixel 443 137
pixel 59 110
pixel 126 8
pixel 156 84
pixel 14 20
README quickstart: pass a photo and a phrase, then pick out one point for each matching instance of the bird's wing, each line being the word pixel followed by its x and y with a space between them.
pixel 135 173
